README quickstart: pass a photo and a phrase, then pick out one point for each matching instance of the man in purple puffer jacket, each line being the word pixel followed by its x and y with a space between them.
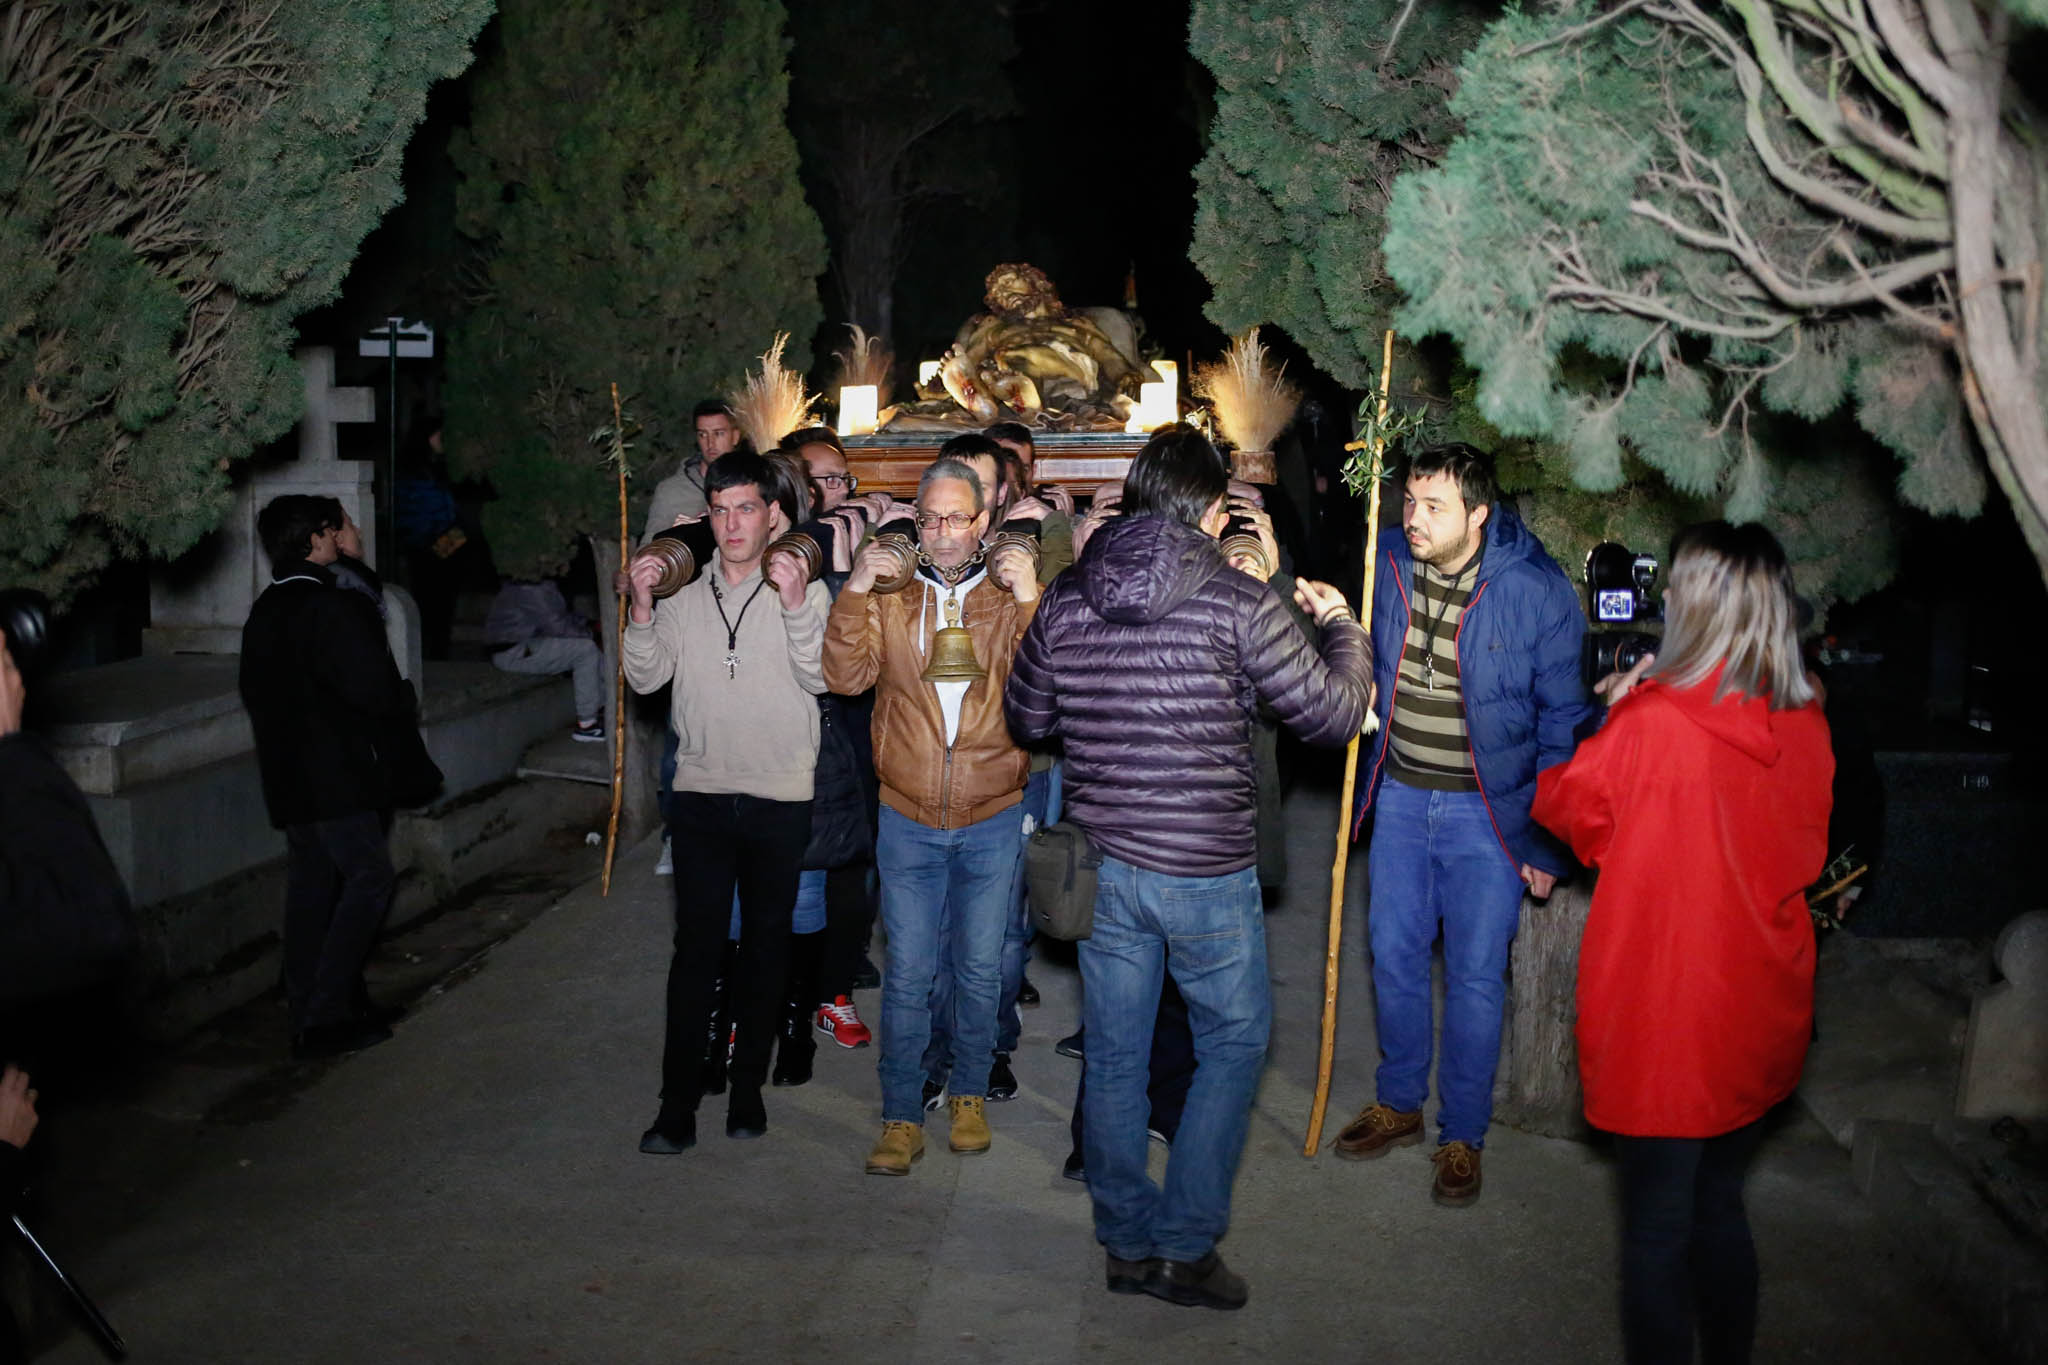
pixel 1149 659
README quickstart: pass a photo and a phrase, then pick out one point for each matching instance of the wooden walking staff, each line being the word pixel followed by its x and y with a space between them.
pixel 1376 447
pixel 611 833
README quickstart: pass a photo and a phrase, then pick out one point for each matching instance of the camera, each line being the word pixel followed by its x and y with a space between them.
pixel 25 621
pixel 1618 582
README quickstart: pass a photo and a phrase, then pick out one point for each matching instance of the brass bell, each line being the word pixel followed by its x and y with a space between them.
pixel 809 554
pixel 1244 545
pixel 952 657
pixel 678 564
pixel 905 551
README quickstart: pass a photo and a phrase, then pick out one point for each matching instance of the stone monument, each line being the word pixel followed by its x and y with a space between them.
pixel 2005 1053
pixel 197 604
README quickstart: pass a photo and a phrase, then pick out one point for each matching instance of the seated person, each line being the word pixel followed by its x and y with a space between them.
pixel 535 632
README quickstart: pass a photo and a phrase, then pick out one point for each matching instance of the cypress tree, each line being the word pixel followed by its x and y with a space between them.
pixel 632 185
pixel 178 183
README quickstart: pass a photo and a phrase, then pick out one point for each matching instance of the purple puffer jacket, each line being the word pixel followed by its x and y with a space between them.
pixel 1148 658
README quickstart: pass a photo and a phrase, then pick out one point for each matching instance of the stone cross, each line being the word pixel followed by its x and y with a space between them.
pixel 2005 1053
pixel 198 603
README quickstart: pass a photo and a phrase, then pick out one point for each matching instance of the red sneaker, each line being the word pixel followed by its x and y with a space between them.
pixel 839 1022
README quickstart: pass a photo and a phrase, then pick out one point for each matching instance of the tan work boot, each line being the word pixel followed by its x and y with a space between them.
pixel 1376 1129
pixel 901 1144
pixel 970 1124
pixel 1457 1175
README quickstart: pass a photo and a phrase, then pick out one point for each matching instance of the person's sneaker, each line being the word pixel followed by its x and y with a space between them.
pixel 901 1143
pixel 1457 1175
pixel 1002 1081
pixel 1126 1277
pixel 1376 1129
pixel 1207 1283
pixel 933 1092
pixel 588 732
pixel 1162 1139
pixel 1070 1046
pixel 1075 1167
pixel 671 1134
pixel 839 1022
pixel 867 976
pixel 666 866
pixel 970 1134
pixel 745 1115
pixel 1027 994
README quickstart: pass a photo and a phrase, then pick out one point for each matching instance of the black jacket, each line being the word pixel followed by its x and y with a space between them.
pixel 320 687
pixel 64 914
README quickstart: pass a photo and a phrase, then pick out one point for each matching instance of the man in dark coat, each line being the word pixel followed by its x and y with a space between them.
pixel 1478 635
pixel 1149 660
pixel 320 687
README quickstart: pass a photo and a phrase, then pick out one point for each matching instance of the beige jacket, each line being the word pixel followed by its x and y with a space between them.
pixel 754 733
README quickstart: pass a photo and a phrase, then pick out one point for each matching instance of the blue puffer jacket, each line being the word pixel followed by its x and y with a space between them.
pixel 1519 648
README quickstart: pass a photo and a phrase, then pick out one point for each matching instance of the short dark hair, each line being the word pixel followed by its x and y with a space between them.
pixel 288 523
pixel 769 480
pixel 712 407
pixel 1011 431
pixel 812 436
pixel 970 445
pixel 1178 475
pixel 1470 466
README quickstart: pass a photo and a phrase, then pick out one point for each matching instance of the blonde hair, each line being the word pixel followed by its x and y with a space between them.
pixel 1730 605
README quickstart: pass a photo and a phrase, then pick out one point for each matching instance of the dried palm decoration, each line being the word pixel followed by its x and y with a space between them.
pixel 1253 402
pixel 867 360
pixel 773 402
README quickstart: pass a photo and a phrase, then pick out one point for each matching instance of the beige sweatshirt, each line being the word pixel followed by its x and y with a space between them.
pixel 754 733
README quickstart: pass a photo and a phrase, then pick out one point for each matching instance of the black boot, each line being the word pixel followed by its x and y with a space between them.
pixel 718 1041
pixel 797 1049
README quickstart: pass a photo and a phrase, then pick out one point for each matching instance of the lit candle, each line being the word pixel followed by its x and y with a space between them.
pixel 857 409
pixel 1155 408
pixel 1170 372
pixel 927 371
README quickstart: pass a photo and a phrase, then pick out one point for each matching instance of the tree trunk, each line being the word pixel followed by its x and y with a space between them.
pixel 1537 1089
pixel 2000 356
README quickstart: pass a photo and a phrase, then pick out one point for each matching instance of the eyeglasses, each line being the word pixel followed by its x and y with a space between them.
pixel 955 522
pixel 847 481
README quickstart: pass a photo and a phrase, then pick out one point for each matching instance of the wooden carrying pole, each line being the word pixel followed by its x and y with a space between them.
pixel 611 833
pixel 1343 859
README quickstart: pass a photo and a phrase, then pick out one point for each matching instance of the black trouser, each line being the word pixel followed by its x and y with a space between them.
pixel 849 914
pixel 338 886
pixel 1172 1065
pixel 720 842
pixel 1686 1253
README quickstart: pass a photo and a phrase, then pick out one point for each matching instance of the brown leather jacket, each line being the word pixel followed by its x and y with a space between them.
pixel 882 642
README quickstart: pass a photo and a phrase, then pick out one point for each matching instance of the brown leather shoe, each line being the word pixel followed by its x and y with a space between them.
pixel 1457 1175
pixel 1376 1129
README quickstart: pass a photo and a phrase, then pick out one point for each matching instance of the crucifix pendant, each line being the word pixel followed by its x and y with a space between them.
pixel 732 662
pixel 1429 672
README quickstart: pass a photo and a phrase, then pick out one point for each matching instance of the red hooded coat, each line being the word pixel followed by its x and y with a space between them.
pixel 1707 821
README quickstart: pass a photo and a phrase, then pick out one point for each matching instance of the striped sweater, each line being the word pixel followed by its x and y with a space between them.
pixel 1427 745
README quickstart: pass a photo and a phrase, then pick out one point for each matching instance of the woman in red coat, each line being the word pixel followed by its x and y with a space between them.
pixel 1703 802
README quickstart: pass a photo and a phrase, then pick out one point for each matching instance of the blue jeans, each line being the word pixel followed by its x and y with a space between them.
pixel 1040 804
pixel 808 916
pixel 942 887
pixel 1211 934
pixel 1436 860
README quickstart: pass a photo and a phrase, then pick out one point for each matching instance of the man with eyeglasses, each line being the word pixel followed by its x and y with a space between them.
pixel 950 829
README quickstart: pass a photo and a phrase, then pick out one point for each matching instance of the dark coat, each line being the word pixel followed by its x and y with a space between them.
pixel 65 920
pixel 1519 654
pixel 320 687
pixel 1149 659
